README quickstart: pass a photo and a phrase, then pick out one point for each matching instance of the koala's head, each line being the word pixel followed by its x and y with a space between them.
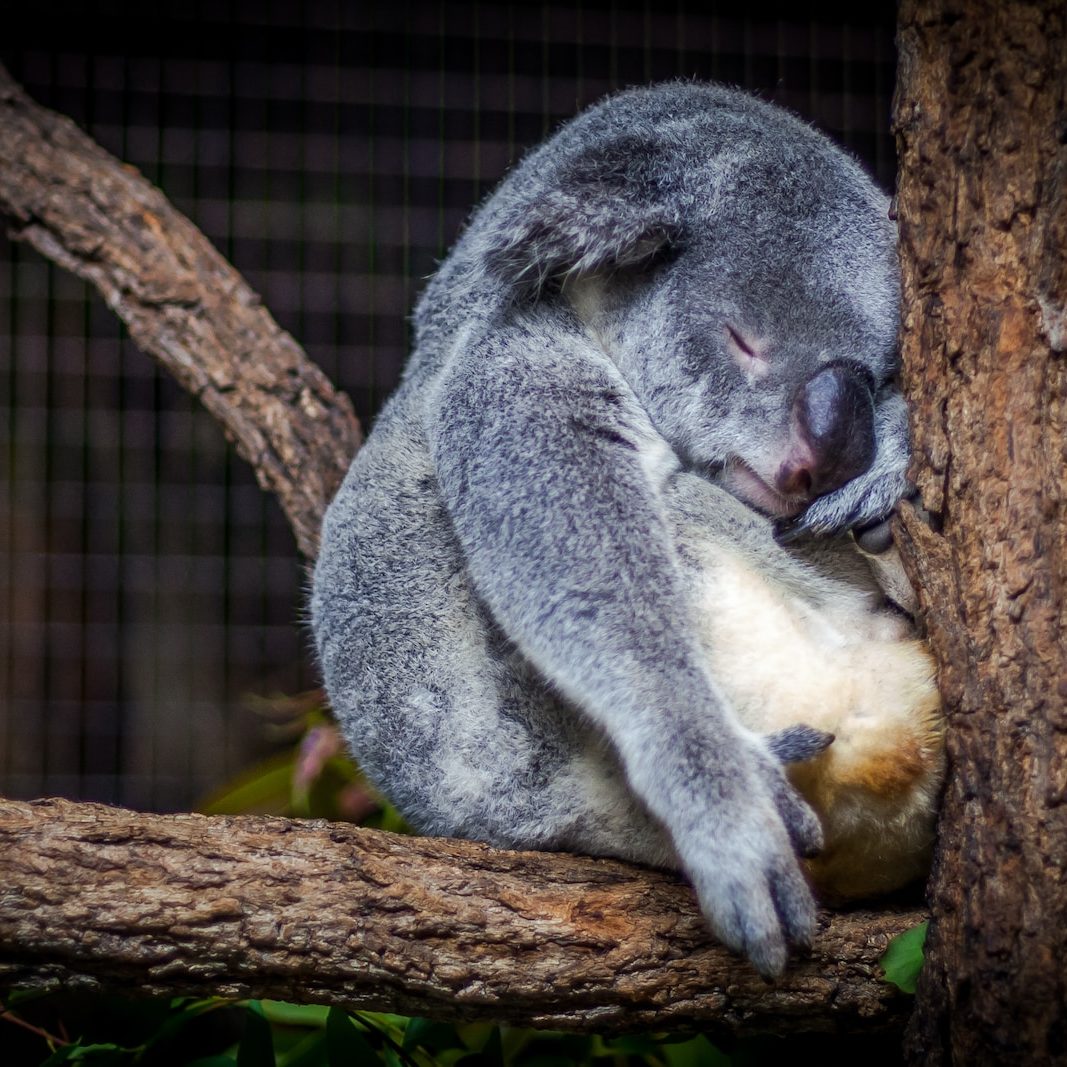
pixel 738 268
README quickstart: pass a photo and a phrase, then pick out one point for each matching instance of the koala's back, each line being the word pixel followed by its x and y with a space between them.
pixel 441 711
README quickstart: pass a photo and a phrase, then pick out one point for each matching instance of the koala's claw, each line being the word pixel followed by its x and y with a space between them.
pixel 786 531
pixel 875 538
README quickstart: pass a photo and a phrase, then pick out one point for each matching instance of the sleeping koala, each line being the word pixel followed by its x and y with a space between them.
pixel 684 287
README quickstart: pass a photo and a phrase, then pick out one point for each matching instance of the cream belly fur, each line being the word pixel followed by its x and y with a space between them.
pixel 837 660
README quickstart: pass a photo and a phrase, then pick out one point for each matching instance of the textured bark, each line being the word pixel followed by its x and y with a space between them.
pixel 92 896
pixel 982 131
pixel 182 302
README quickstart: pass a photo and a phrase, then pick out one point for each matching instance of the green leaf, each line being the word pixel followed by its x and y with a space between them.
pixel 285 1014
pixel 904 958
pixel 633 1044
pixel 696 1052
pixel 430 1035
pixel 60 1056
pixel 309 1051
pixel 390 819
pixel 21 996
pixel 181 1012
pixel 346 1044
pixel 257 1046
pixel 263 790
pixel 493 1050
pixel 101 1055
pixel 376 1028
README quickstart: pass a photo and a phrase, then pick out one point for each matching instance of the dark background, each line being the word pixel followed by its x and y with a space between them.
pixel 332 151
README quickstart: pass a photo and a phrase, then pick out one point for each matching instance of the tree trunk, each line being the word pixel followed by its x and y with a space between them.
pixel 96 897
pixel 982 129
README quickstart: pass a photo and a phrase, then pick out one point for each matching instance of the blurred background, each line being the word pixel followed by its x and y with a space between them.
pixel 151 596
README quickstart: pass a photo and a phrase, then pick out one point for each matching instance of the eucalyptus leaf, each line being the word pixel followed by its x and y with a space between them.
pixel 346 1043
pixel 430 1035
pixel 904 958
pixel 257 1045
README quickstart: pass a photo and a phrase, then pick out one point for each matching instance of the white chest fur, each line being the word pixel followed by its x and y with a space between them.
pixel 791 646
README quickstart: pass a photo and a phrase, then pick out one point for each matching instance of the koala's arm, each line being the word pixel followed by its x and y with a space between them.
pixel 549 472
pixel 872 495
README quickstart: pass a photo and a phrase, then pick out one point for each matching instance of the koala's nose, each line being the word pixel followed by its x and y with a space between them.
pixel 832 437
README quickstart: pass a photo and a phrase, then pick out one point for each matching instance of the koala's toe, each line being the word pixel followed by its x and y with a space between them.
pixel 802 824
pixel 768 954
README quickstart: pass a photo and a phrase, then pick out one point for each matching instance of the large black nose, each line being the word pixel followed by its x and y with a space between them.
pixel 833 432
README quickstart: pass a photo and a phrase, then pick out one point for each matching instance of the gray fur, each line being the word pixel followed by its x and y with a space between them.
pixel 501 604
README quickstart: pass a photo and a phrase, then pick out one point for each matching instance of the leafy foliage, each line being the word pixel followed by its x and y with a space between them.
pixel 903 958
pixel 115 1032
pixel 313 778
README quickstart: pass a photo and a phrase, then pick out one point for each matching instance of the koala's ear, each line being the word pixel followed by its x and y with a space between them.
pixel 605 213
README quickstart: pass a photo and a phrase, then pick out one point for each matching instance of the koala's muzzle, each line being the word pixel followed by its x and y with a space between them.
pixel 832 435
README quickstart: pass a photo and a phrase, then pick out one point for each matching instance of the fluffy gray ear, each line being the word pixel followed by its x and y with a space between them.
pixel 604 212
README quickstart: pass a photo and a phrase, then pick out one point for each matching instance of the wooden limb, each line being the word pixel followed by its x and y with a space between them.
pixel 92 897
pixel 182 302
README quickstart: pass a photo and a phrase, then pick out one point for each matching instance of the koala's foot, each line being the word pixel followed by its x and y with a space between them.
pixel 742 861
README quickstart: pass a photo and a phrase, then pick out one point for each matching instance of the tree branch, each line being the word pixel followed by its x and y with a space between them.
pixel 92 896
pixel 182 302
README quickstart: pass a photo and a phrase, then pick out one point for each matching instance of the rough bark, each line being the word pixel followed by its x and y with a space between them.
pixel 92 896
pixel 182 302
pixel 982 133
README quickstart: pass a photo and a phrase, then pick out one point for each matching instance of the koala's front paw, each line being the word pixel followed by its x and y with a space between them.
pixel 743 864
pixel 864 502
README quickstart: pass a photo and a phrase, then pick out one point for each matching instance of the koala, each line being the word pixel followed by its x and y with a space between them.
pixel 685 294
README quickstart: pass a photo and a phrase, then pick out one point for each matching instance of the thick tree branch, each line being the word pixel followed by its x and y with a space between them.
pixel 182 302
pixel 333 914
pixel 96 897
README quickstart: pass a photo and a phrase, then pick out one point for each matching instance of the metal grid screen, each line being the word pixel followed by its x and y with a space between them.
pixel 332 151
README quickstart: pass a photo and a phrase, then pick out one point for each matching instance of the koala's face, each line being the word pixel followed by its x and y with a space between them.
pixel 761 355
pixel 738 269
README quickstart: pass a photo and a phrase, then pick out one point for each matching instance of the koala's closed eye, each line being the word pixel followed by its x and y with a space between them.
pixel 749 353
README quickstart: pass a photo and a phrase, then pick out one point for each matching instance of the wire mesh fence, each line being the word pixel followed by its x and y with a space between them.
pixel 332 151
